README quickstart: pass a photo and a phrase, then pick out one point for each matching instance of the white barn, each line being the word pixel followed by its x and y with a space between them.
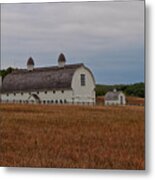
pixel 114 98
pixel 65 83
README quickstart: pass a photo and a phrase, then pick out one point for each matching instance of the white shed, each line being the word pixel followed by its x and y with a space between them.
pixel 115 98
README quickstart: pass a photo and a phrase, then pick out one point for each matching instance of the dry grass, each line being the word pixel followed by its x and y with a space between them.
pixel 135 100
pixel 72 136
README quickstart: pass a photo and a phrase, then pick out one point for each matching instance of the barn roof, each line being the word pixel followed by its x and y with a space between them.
pixel 47 78
pixel 111 95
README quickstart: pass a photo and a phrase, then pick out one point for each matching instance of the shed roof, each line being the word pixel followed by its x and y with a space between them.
pixel 47 78
pixel 112 95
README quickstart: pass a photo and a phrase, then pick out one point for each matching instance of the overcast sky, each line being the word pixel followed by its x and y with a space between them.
pixel 108 37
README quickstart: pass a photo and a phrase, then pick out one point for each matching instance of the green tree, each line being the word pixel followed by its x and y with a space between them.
pixel 4 72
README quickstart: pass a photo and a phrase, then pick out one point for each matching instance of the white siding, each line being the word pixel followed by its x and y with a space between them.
pixel 112 102
pixel 117 102
pixel 58 95
pixel 86 93
pixel 123 98
pixel 10 97
pixel 50 96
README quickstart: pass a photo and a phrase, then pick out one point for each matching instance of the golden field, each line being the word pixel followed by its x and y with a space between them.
pixel 72 136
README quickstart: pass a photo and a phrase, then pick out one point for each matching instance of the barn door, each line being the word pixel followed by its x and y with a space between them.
pixel 34 99
pixel 121 99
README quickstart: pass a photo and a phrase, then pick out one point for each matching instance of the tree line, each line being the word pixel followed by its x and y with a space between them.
pixel 136 89
pixel 4 72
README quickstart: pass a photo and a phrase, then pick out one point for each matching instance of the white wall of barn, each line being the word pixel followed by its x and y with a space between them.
pixel 58 95
pixel 46 96
pixel 83 93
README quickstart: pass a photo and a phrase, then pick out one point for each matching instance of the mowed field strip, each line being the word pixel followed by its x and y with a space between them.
pixel 65 136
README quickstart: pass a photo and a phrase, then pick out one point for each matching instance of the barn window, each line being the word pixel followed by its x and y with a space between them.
pixel 65 101
pixel 56 101
pixel 62 91
pixel 45 92
pixel 21 93
pixel 83 80
pixel 44 102
pixel 53 92
pixel 61 101
pixel 52 101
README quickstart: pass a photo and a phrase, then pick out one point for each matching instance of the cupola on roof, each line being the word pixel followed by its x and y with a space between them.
pixel 61 58
pixel 30 61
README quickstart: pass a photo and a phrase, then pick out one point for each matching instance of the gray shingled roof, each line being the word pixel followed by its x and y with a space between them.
pixel 112 95
pixel 48 78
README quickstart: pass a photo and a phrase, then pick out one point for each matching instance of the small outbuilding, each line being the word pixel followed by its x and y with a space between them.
pixel 114 98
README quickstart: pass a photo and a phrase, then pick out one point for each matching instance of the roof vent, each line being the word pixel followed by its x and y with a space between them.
pixel 30 64
pixel 114 90
pixel 61 60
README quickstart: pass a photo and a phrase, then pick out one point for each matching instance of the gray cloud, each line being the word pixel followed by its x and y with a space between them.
pixel 95 33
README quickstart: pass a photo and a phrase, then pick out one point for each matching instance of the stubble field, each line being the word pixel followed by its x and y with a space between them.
pixel 72 136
